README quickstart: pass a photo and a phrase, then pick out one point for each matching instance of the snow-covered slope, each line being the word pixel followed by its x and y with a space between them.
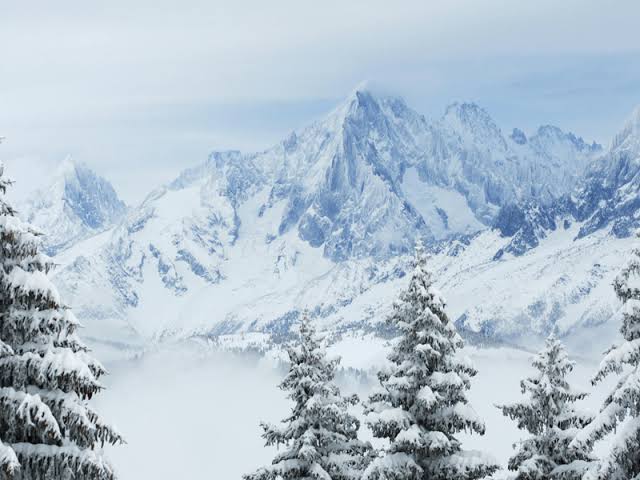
pixel 263 286
pixel 324 220
pixel 75 205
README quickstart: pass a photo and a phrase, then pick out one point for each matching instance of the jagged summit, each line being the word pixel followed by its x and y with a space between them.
pixel 76 204
pixel 554 134
pixel 518 136
pixel 472 118
pixel 471 115
pixel 67 167
pixel 606 197
pixel 629 135
pixel 609 195
pixel 374 154
pixel 550 131
pixel 363 106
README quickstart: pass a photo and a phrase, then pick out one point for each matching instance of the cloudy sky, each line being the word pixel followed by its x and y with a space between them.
pixel 139 90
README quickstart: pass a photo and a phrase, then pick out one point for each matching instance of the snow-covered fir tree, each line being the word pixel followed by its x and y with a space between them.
pixel 549 414
pixel 47 429
pixel 422 402
pixel 621 410
pixel 320 436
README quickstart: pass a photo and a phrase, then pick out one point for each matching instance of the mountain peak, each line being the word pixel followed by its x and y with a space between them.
pixel 473 124
pixel 67 169
pixel 634 118
pixel 360 98
pixel 629 136
pixel 359 109
pixel 345 109
pixel 518 136
pixel 68 163
pixel 76 204
pixel 549 131
pixel 467 111
pixel 365 98
pixel 71 172
pixel 633 121
pixel 469 115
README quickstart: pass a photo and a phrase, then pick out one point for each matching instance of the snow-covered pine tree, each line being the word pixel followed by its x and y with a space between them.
pixel 320 437
pixel 621 410
pixel 548 413
pixel 422 404
pixel 47 429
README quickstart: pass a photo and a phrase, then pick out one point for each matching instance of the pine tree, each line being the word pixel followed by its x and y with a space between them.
pixel 549 415
pixel 621 410
pixel 320 435
pixel 47 429
pixel 422 402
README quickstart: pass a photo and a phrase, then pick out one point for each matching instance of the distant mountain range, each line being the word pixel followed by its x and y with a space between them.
pixel 527 231
pixel 606 196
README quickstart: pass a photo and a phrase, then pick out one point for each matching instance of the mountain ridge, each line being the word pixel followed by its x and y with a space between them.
pixel 324 221
pixel 606 197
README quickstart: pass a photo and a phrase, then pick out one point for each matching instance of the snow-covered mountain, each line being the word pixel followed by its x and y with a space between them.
pixel 74 206
pixel 606 197
pixel 610 194
pixel 469 153
pixel 324 220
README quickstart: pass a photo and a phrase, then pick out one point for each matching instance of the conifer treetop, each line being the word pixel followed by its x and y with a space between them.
pixel 421 404
pixel 548 413
pixel 620 413
pixel 320 436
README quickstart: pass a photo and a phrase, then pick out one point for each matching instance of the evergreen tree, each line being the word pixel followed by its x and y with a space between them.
pixel 621 410
pixel 320 435
pixel 422 404
pixel 47 429
pixel 549 415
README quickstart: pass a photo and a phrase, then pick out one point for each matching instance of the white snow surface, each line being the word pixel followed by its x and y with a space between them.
pixel 446 211
pixel 562 282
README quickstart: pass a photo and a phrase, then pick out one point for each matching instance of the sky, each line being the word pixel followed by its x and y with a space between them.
pixel 141 90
